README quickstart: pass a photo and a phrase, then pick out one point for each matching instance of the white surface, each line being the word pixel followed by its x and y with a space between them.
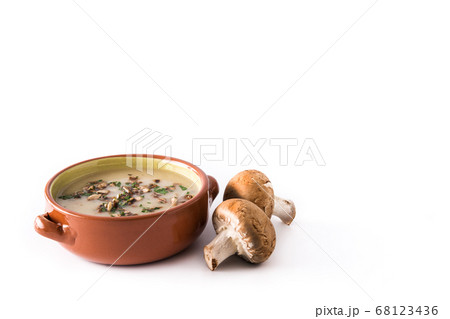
pixel 376 103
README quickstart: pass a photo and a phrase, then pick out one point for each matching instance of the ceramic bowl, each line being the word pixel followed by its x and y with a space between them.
pixel 132 239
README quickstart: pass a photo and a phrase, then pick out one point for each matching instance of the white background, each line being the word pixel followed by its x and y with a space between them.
pixel 370 86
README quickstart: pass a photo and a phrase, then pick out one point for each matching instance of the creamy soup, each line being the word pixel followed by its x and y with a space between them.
pixel 127 192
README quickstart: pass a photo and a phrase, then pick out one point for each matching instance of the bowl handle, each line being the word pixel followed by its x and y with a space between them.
pixel 48 228
pixel 213 188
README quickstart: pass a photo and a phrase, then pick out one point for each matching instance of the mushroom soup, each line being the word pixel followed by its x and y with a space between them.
pixel 127 192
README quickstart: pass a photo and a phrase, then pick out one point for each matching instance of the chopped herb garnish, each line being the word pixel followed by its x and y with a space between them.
pixel 95 182
pixel 117 184
pixel 149 210
pixel 160 190
pixel 182 187
pixel 66 197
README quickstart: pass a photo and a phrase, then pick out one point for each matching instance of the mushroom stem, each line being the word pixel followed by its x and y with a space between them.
pixel 219 249
pixel 284 209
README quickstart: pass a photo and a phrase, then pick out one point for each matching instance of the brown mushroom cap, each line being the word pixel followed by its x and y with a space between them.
pixel 252 231
pixel 242 228
pixel 254 186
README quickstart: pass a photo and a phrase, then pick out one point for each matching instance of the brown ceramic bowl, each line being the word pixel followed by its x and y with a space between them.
pixel 126 240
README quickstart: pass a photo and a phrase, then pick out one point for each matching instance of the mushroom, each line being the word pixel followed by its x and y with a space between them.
pixel 94 197
pixel 242 228
pixel 256 187
pixel 174 200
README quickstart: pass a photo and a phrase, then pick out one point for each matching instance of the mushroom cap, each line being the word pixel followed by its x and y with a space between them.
pixel 254 186
pixel 248 226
